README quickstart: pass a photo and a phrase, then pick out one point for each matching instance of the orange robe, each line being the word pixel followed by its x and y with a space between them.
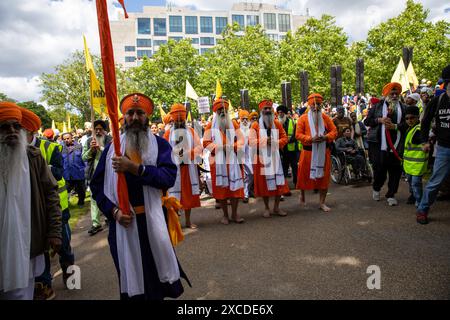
pixel 222 193
pixel 188 200
pixel 303 133
pixel 260 184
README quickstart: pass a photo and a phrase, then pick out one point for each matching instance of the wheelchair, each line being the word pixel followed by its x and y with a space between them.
pixel 342 170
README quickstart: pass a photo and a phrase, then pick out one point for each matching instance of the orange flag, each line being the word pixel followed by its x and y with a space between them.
pixel 109 73
pixel 124 9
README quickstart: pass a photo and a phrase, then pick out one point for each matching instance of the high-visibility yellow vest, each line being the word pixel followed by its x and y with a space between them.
pixel 415 160
pixel 290 133
pixel 47 149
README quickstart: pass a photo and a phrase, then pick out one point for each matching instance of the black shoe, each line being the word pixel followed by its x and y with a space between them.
pixel 95 230
pixel 443 197
pixel 411 200
pixel 288 194
pixel 245 200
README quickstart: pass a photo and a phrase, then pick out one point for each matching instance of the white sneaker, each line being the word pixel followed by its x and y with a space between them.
pixel 392 202
pixel 376 195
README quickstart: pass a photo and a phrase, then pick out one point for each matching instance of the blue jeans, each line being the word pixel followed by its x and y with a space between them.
pixel 66 256
pixel 440 170
pixel 415 187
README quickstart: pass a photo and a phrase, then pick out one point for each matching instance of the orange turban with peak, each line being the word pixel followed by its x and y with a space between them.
pixel 243 114
pixel 167 118
pixel 136 100
pixel 265 103
pixel 391 86
pixel 30 121
pixel 253 114
pixel 314 98
pixel 178 112
pixel 219 103
pixel 10 111
pixel 48 133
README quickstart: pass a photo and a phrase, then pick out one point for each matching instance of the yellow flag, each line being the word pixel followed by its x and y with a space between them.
pixel 189 118
pixel 190 92
pixel 412 78
pixel 53 125
pixel 64 127
pixel 98 99
pixel 162 112
pixel 218 90
pixel 400 76
pixel 68 123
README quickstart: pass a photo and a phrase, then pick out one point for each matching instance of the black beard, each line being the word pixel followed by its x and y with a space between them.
pixel 179 125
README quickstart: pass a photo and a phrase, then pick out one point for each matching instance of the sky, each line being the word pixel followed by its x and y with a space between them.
pixel 36 35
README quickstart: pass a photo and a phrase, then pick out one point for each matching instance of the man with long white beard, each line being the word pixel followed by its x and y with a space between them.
pixel 248 155
pixel 140 244
pixel 92 151
pixel 30 213
pixel 186 148
pixel 268 137
pixel 386 141
pixel 51 151
pixel 316 131
pixel 224 140
pixel 290 154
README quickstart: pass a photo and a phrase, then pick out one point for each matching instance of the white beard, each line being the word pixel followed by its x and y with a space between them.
pixel 100 140
pixel 223 123
pixel 245 129
pixel 137 141
pixel 282 120
pixel 268 120
pixel 10 157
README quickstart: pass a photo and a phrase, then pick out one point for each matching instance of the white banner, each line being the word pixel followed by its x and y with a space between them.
pixel 203 105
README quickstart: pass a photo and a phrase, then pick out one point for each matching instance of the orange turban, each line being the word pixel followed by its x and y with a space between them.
pixel 178 112
pixel 243 114
pixel 314 98
pixel 391 86
pixel 265 103
pixel 136 100
pixel 48 133
pixel 30 121
pixel 10 111
pixel 253 114
pixel 219 103
pixel 167 118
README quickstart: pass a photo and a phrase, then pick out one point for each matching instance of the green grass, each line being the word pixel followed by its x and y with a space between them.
pixel 76 212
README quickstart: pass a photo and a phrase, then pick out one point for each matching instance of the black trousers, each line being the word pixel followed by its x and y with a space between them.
pixel 290 158
pixel 384 164
pixel 80 189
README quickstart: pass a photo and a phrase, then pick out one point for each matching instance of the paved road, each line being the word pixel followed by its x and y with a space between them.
pixel 306 255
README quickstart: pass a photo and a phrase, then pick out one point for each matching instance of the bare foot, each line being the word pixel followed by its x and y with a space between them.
pixel 266 213
pixel 324 208
pixel 191 226
pixel 225 221
pixel 281 213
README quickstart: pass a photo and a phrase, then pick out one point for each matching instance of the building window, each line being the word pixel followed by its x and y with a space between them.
pixel 204 50
pixel 239 19
pixel 142 53
pixel 191 25
pixel 130 48
pixel 157 43
pixel 143 43
pixel 176 38
pixel 143 25
pixel 206 25
pixel 273 37
pixel 270 21
pixel 195 41
pixel 221 24
pixel 252 20
pixel 207 41
pixel 130 59
pixel 159 27
pixel 175 24
pixel 284 21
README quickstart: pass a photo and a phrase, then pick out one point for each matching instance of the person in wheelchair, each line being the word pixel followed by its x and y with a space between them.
pixel 348 148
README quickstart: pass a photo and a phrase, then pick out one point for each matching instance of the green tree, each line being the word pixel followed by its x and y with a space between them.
pixel 385 42
pixel 4 97
pixel 245 61
pixel 163 77
pixel 315 47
